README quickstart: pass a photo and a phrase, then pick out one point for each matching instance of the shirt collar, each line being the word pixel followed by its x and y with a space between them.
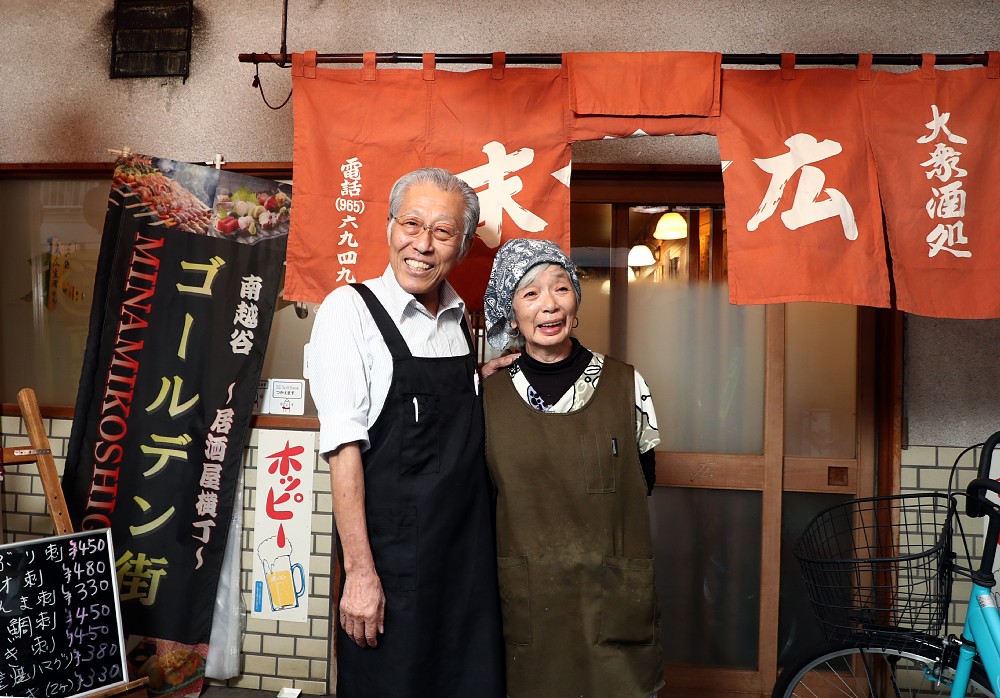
pixel 400 300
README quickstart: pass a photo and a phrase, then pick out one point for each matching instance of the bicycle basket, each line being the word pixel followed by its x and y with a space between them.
pixel 880 567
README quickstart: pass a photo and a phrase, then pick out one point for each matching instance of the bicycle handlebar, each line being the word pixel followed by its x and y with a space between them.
pixel 987 455
pixel 976 505
pixel 977 500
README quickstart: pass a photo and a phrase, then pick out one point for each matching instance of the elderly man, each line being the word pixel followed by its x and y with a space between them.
pixel 394 380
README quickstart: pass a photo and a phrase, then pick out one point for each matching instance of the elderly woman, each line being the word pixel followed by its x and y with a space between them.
pixel 569 439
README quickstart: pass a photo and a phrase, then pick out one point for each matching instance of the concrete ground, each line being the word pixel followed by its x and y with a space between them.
pixel 224 692
pixel 216 691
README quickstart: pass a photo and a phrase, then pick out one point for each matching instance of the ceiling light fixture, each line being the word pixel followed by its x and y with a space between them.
pixel 671 226
pixel 640 256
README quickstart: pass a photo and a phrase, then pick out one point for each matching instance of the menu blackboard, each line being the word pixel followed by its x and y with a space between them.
pixel 60 623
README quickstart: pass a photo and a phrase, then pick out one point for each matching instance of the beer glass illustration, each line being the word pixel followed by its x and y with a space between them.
pixel 280 574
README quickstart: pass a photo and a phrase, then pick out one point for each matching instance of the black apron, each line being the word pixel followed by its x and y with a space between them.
pixel 430 525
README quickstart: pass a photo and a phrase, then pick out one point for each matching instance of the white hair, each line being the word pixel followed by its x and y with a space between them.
pixel 447 182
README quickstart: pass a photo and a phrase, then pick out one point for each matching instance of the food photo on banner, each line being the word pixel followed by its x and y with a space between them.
pixel 188 276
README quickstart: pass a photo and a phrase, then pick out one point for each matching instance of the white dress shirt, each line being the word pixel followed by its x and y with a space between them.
pixel 350 368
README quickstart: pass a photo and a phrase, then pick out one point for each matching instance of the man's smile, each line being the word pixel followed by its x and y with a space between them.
pixel 417 265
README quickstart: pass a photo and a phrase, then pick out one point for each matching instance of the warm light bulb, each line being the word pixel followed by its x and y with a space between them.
pixel 640 256
pixel 671 226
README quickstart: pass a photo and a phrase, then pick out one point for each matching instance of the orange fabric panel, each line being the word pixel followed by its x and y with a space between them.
pixel 357 131
pixel 627 95
pixel 802 205
pixel 667 83
pixel 933 135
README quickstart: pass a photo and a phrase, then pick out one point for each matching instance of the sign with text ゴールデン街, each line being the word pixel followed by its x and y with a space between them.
pixel 358 131
pixel 282 536
pixel 802 206
pixel 934 137
pixel 188 275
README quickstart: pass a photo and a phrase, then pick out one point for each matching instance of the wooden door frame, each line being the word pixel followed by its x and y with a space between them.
pixel 879 346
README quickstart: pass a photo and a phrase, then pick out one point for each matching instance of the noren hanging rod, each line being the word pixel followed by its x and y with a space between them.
pixel 284 59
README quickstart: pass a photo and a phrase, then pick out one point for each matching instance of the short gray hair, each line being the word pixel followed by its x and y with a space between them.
pixel 517 341
pixel 447 182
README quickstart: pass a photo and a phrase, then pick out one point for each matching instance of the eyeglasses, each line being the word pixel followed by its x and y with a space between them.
pixel 413 226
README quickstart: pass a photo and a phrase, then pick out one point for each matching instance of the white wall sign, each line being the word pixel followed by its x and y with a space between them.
pixel 283 524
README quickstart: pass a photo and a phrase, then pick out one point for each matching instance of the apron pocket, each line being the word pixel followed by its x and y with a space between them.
pixel 628 606
pixel 392 533
pixel 419 450
pixel 515 600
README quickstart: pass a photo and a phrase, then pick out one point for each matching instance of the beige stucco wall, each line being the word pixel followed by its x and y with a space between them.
pixel 59 105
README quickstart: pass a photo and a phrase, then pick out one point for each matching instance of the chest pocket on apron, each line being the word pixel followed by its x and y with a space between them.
pixel 597 458
pixel 420 429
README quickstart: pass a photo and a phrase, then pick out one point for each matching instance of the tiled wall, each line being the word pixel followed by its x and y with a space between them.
pixel 926 468
pixel 275 654
pixel 278 654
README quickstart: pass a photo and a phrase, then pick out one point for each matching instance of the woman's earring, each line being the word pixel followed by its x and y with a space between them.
pixel 514 332
pixel 576 322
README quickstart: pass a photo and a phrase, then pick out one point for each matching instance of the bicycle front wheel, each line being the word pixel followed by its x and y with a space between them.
pixel 839 669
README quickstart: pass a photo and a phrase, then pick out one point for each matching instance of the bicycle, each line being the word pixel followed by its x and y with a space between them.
pixel 883 613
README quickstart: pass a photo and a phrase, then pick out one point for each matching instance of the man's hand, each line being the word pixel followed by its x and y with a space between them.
pixel 362 607
pixel 494 365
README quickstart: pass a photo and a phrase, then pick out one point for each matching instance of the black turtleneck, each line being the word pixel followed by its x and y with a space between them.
pixel 551 381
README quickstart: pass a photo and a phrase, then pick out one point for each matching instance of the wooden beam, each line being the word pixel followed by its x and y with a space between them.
pixel 771 496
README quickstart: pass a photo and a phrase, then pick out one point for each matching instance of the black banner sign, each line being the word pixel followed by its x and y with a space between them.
pixel 59 609
pixel 188 276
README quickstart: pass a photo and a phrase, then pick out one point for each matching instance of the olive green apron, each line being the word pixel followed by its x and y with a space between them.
pixel 580 611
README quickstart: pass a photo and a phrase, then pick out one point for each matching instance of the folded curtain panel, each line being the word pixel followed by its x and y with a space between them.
pixel 625 95
pixel 665 83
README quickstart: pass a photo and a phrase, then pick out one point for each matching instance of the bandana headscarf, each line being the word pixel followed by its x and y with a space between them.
pixel 513 259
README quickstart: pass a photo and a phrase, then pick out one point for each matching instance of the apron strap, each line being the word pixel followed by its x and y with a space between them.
pixel 468 335
pixel 390 333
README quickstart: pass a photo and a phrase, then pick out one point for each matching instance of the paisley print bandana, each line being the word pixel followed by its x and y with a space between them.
pixel 514 258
